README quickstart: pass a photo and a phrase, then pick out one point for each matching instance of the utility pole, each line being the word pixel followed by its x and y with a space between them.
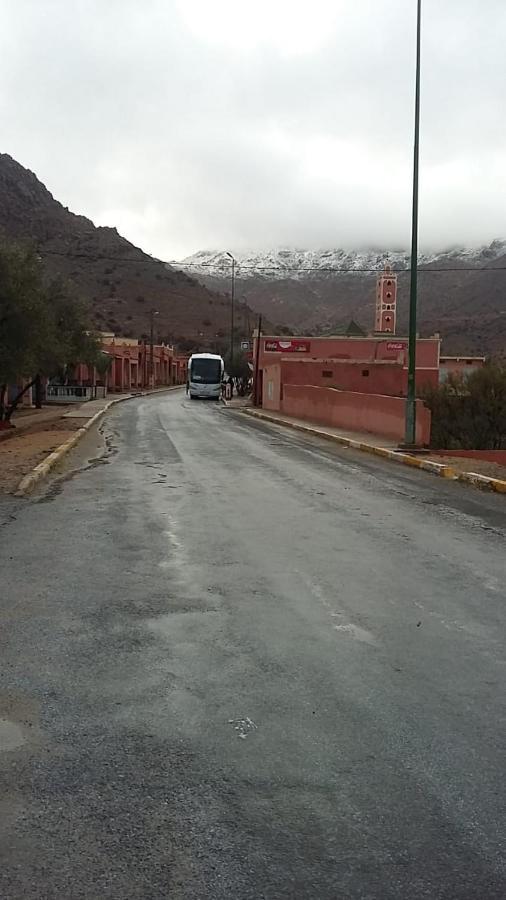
pixel 410 433
pixel 152 314
pixel 232 304
pixel 256 392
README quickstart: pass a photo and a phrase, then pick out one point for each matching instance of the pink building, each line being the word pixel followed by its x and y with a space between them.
pixel 134 366
pixel 355 382
pixel 459 365
pixel 346 357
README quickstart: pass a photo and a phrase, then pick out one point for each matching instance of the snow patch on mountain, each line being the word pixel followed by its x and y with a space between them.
pixel 289 263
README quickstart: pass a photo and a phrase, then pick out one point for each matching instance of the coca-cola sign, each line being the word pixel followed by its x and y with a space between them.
pixel 289 346
pixel 396 345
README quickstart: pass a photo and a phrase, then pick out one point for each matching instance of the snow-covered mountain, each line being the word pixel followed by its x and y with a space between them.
pixel 305 264
pixel 462 291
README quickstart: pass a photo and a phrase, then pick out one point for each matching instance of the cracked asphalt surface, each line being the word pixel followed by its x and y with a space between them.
pixel 240 663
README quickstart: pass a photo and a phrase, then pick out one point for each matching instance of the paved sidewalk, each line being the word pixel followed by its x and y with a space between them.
pixel 27 418
pixel 237 402
pixel 373 440
pixel 92 407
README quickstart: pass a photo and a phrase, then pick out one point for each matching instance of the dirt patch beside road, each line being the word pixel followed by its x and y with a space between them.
pixel 21 453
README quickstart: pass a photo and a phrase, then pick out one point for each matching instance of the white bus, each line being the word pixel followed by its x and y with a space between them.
pixel 205 374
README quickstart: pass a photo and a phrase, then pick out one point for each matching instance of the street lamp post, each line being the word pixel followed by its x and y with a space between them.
pixel 232 311
pixel 410 433
pixel 152 314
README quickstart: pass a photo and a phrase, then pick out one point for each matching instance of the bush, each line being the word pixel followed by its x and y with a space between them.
pixel 470 413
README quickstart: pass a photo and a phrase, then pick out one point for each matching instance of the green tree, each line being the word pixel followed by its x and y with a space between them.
pixel 44 330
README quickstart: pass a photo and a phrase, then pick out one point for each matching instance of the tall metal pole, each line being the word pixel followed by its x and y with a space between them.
pixel 257 360
pixel 410 433
pixel 151 349
pixel 152 313
pixel 232 311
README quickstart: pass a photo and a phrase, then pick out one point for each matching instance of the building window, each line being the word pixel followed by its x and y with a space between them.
pixel 469 362
pixel 365 373
pixel 327 373
pixel 389 295
pixel 389 284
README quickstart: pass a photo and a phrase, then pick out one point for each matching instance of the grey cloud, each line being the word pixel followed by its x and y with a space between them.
pixel 184 143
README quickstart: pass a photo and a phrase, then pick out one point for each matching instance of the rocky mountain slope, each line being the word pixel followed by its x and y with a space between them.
pixel 462 292
pixel 121 282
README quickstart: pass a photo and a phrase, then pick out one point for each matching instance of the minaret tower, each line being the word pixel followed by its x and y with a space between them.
pixel 386 302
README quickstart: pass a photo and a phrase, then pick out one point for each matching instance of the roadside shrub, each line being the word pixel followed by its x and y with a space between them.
pixel 470 413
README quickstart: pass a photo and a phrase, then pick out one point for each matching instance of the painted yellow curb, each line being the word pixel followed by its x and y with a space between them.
pixel 439 469
pixel 483 481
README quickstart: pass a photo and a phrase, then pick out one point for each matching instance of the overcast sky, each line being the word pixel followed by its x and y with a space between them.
pixel 210 124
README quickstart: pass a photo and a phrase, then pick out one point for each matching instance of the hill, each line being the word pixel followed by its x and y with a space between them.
pixel 121 282
pixel 465 299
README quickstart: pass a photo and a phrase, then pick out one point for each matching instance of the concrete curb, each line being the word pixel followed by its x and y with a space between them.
pixel 483 482
pixel 439 469
pixel 42 470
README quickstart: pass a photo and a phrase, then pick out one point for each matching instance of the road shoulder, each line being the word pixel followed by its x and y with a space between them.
pixel 28 456
pixel 384 450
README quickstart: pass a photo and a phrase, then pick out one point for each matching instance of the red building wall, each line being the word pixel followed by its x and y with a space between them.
pixel 271 388
pixel 351 348
pixel 369 413
pixel 362 376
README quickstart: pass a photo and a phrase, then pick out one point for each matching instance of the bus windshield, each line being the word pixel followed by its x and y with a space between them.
pixel 206 371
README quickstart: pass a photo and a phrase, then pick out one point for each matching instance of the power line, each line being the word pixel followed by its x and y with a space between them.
pixel 335 271
pixel 273 268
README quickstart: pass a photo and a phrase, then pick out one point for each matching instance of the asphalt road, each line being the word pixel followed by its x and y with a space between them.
pixel 240 663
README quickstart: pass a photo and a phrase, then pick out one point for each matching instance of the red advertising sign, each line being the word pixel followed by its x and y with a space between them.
pixel 396 345
pixel 291 345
